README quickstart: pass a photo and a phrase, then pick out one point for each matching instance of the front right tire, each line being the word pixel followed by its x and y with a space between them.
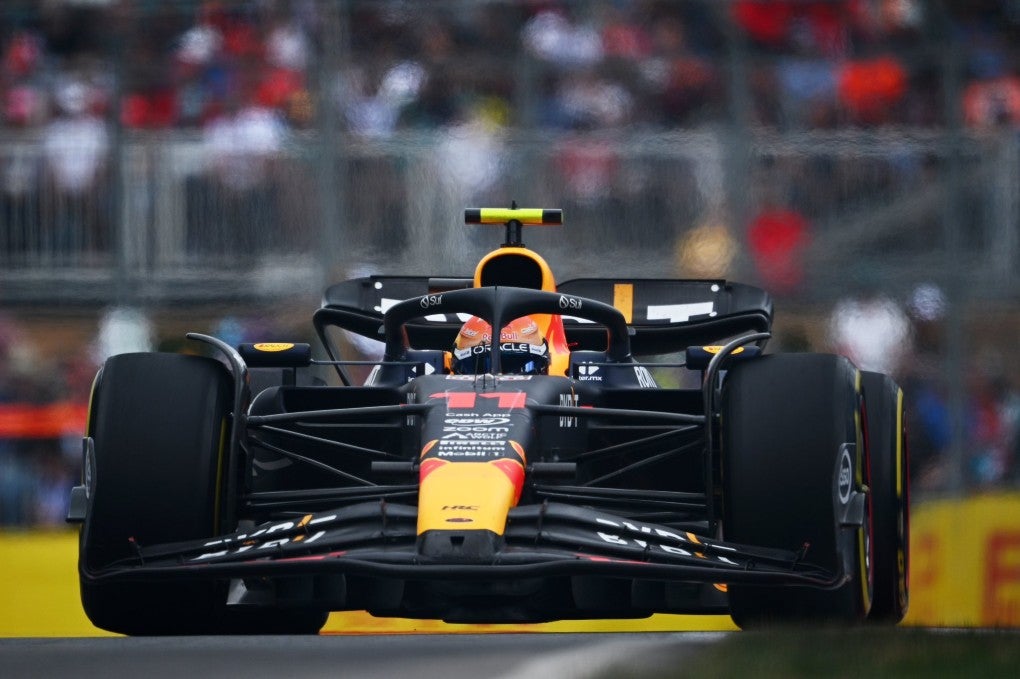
pixel 793 464
pixel 890 487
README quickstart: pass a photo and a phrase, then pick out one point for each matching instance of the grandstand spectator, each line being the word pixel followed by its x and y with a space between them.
pixel 779 26
pixel 588 168
pixel 588 100
pixel 21 383
pixel 16 486
pixel 149 98
pixel 234 202
pixel 993 101
pixel 871 89
pixel 23 106
pixel 555 35
pixel 928 423
pixel 122 330
pixel 52 476
pixel 374 109
pixel 471 156
pixel 201 77
pixel 623 35
pixel 75 152
pixel 872 329
pixel 287 44
pixel 21 80
pixel 684 85
pixel 767 24
pixel 283 83
pixel 777 237
pixel 993 425
pixel 808 92
pixel 231 49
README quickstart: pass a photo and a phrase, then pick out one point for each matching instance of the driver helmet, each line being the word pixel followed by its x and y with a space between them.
pixel 522 348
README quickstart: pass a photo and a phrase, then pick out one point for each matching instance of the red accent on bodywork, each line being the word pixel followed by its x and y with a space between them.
pixel 429 466
pixel 556 335
pixel 514 471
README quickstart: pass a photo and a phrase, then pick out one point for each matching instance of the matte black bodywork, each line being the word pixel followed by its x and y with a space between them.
pixel 618 510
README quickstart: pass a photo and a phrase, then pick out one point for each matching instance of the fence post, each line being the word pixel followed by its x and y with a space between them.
pixel 955 286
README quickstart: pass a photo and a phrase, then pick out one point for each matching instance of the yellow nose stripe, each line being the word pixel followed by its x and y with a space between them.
pixel 465 496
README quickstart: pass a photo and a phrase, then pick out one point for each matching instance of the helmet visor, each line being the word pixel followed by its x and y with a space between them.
pixel 515 358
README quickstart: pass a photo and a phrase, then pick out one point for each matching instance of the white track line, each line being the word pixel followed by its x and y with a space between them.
pixel 594 659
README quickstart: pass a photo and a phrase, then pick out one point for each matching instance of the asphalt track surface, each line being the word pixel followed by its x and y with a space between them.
pixel 493 656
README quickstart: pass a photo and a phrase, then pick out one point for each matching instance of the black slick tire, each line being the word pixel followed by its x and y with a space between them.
pixel 159 425
pixel 890 475
pixel 792 463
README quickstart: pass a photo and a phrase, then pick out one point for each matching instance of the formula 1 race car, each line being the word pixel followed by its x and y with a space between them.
pixel 534 475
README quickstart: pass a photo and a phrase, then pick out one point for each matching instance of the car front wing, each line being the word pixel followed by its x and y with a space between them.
pixel 380 539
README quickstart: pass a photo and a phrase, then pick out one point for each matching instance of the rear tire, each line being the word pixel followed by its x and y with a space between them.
pixel 160 426
pixel 791 423
pixel 883 403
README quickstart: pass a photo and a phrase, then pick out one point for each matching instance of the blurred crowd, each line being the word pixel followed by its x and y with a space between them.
pixel 245 78
pixel 251 79
pixel 602 64
pixel 41 418
pixel 961 435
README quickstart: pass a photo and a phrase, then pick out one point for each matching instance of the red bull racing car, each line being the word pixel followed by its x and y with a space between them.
pixel 536 473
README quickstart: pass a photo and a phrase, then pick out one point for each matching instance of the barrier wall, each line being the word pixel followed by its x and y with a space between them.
pixel 965 563
pixel 964 572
